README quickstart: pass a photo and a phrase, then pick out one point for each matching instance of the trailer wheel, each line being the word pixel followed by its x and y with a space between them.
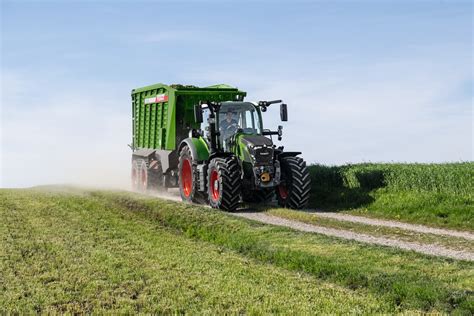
pixel 293 192
pixel 145 177
pixel 135 175
pixel 188 182
pixel 143 172
pixel 224 183
pixel 155 176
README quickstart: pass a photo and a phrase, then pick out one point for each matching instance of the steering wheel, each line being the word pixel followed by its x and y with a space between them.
pixel 231 129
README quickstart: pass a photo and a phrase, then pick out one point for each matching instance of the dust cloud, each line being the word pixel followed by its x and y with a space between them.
pixel 77 142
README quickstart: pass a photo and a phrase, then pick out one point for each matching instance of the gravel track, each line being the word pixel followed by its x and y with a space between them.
pixel 428 249
pixel 394 224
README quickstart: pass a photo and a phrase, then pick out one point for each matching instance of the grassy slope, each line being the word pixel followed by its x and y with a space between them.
pixel 125 251
pixel 77 253
pixel 433 194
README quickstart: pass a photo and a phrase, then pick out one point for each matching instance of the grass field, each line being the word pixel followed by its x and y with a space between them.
pixel 432 194
pixel 83 251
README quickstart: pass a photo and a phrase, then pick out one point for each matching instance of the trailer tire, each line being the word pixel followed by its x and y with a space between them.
pixel 146 177
pixel 187 179
pixel 155 176
pixel 295 188
pixel 135 176
pixel 224 183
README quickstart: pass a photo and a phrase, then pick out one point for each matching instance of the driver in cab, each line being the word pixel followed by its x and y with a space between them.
pixel 228 127
pixel 228 124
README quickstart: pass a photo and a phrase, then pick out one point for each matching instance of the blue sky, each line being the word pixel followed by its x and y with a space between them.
pixel 364 80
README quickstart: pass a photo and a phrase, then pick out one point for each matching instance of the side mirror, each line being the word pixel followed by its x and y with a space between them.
pixel 283 112
pixel 198 113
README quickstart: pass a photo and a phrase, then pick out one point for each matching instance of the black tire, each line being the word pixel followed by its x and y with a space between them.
pixel 146 177
pixel 294 190
pixel 224 183
pixel 258 196
pixel 135 175
pixel 188 181
pixel 155 176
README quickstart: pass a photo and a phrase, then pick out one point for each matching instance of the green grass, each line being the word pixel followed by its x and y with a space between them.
pixel 103 250
pixel 64 253
pixel 433 194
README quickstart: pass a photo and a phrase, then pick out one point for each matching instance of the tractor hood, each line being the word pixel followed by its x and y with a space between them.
pixel 259 147
pixel 256 141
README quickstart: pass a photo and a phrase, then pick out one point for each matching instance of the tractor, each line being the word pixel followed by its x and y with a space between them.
pixel 212 144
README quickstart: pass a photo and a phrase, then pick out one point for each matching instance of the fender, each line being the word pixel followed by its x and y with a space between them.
pixel 288 154
pixel 198 147
pixel 220 155
pixel 144 153
pixel 167 158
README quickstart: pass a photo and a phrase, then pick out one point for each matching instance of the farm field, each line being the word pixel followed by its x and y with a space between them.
pixel 439 195
pixel 76 250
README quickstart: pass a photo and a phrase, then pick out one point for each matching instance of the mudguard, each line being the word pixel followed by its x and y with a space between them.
pixel 198 147
pixel 289 154
pixel 167 158
pixel 144 152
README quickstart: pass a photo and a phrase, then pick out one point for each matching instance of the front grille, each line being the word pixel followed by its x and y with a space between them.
pixel 264 155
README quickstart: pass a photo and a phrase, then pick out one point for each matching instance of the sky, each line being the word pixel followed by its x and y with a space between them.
pixel 365 81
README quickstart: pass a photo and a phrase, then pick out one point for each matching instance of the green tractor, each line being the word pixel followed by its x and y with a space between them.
pixel 212 145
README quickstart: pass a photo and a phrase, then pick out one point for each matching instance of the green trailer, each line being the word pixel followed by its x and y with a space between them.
pixel 211 144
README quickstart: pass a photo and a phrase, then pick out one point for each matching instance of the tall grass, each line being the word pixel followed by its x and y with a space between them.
pixel 399 188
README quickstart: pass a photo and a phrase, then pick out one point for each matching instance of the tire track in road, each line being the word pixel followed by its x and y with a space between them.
pixel 394 224
pixel 428 249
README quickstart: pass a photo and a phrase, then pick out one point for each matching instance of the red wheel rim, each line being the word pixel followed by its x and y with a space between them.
pixel 134 178
pixel 144 179
pixel 283 191
pixel 214 185
pixel 187 177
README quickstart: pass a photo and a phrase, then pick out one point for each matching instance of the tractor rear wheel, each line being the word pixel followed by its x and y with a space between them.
pixel 293 192
pixel 188 182
pixel 224 183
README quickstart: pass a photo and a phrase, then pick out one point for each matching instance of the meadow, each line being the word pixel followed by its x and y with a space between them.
pixel 74 250
pixel 432 194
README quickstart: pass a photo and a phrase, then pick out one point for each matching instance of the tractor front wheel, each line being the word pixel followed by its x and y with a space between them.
pixel 224 183
pixel 293 191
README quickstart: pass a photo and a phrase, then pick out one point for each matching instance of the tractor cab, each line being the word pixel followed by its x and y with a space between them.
pixel 224 122
pixel 237 117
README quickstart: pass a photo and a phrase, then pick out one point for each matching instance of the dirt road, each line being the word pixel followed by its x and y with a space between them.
pixel 425 248
pixel 429 249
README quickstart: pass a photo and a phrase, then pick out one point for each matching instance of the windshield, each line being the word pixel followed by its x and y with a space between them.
pixel 235 115
pixel 239 115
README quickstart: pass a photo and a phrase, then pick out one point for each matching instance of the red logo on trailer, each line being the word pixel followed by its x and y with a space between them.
pixel 158 99
pixel 161 98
